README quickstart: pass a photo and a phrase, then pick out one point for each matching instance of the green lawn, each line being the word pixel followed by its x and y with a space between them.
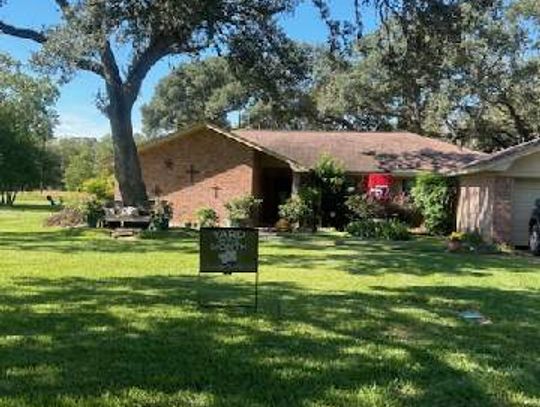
pixel 89 321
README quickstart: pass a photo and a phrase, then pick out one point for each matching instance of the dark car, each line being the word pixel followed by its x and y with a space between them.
pixel 534 230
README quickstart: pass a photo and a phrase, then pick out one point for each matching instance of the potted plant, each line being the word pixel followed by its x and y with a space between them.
pixel 455 241
pixel 161 215
pixel 242 210
pixel 94 213
pixel 295 211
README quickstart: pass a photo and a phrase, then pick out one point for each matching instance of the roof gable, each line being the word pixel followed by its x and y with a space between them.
pixel 502 160
pixel 232 136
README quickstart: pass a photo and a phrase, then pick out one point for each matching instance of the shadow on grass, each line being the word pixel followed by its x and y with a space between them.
pixel 416 257
pixel 91 339
pixel 419 257
pixel 79 240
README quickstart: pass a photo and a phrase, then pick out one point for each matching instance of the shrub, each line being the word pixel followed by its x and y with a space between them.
pixel 402 207
pixel 399 208
pixel 242 208
pixel 456 237
pixel 160 216
pixel 296 210
pixel 471 241
pixel 101 187
pixel 207 217
pixel 329 178
pixel 93 212
pixel 363 207
pixel 369 229
pixel 435 196
pixel 311 195
pixel 330 174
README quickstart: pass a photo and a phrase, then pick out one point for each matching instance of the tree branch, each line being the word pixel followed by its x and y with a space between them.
pixel 91 66
pixel 24 33
pixel 110 67
pixel 141 64
pixel 40 38
pixel 158 48
pixel 64 6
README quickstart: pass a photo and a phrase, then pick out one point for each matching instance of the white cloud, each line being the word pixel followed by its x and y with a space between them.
pixel 77 124
pixel 80 125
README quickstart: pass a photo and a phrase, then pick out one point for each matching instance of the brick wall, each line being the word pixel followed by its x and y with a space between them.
pixel 217 161
pixel 485 206
pixel 475 205
pixel 502 209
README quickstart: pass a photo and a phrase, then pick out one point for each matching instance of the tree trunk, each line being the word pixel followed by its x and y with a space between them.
pixel 126 159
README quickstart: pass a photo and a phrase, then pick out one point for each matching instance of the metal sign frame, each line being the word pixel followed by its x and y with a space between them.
pixel 229 253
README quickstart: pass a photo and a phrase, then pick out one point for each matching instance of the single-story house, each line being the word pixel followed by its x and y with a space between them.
pixel 206 166
pixel 498 194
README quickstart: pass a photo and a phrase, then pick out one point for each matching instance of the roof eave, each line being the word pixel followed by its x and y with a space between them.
pixel 500 161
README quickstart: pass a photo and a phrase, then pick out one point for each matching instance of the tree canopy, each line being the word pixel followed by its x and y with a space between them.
pixel 26 122
pixel 466 72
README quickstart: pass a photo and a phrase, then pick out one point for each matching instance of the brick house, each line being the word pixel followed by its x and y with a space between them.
pixel 498 193
pixel 206 166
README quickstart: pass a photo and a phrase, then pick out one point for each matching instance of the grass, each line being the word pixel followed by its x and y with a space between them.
pixel 89 321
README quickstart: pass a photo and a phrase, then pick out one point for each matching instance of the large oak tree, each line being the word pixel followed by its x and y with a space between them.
pixel 92 33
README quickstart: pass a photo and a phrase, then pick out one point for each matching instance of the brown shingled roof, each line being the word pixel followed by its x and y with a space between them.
pixel 364 152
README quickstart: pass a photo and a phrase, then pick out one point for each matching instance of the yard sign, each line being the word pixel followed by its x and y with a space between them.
pixel 229 250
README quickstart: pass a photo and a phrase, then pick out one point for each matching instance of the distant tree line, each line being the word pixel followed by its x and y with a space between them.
pixel 30 157
pixel 27 118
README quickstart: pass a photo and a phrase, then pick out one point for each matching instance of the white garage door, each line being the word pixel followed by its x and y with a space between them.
pixel 526 192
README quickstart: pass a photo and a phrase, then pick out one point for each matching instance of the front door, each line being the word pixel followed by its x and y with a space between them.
pixel 276 187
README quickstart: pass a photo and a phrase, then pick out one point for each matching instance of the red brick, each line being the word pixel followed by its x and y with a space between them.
pixel 221 162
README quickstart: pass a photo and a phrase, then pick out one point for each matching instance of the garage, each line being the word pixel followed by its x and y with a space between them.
pixel 498 194
pixel 526 193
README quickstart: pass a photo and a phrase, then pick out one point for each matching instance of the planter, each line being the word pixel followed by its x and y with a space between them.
pixel 283 226
pixel 241 223
pixel 92 221
pixel 454 246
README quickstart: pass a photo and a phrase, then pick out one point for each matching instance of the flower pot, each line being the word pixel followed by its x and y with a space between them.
pixel 454 246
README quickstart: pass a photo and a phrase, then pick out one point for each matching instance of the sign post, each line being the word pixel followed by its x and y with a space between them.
pixel 230 250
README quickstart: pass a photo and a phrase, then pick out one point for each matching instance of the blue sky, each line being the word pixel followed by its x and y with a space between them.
pixel 76 106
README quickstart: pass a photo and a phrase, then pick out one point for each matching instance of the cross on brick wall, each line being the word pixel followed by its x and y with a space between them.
pixel 216 191
pixel 192 172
